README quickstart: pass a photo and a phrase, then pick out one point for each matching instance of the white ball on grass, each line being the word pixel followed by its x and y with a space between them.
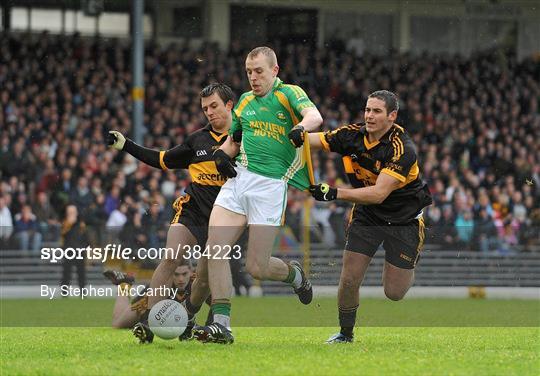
pixel 168 319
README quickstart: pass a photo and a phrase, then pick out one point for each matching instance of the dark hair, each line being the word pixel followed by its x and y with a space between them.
pixel 225 93
pixel 390 99
pixel 186 262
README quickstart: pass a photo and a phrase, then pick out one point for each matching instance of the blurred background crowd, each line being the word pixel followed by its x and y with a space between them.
pixel 475 121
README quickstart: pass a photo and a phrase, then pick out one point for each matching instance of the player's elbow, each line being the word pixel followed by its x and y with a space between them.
pixel 377 199
pixel 380 199
pixel 380 196
pixel 317 119
pixel 312 120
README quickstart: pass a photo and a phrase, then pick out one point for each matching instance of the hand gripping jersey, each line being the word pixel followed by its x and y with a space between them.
pixel 394 154
pixel 265 123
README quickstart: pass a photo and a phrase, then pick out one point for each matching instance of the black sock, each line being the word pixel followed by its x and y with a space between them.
pixel 144 316
pixel 192 309
pixel 347 318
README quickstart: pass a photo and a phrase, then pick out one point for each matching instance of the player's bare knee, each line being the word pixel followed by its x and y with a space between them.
pixel 394 294
pixel 349 283
pixel 255 271
pixel 202 284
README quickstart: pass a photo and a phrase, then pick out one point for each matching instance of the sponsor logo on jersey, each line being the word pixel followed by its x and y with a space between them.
pixel 394 166
pixel 200 153
pixel 281 116
pixel 266 129
pixel 377 166
pixel 210 177
pixel 250 113
pixel 264 109
pixel 405 257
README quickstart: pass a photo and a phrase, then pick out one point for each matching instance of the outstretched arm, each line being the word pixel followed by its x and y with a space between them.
pixel 175 158
pixel 315 142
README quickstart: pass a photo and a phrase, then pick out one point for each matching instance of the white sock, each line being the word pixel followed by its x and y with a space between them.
pixel 297 281
pixel 223 320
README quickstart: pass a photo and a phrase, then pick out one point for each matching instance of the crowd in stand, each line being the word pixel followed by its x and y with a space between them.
pixel 475 121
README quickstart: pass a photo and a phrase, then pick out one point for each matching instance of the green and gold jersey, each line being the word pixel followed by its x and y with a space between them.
pixel 265 123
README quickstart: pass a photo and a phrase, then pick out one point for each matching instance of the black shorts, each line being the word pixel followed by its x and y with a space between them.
pixel 402 242
pixel 188 213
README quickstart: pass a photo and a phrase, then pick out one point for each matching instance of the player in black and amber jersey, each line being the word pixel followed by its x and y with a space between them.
pixel 381 162
pixel 189 226
pixel 128 307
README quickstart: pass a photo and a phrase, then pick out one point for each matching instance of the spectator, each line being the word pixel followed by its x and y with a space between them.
pixel 81 196
pixel 485 232
pixel 112 201
pixel 155 226
pixel 6 223
pixel 46 217
pixel 26 230
pixel 73 236
pixel 464 228
pixel 96 217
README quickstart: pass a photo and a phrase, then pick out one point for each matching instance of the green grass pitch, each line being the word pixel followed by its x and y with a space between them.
pixel 278 336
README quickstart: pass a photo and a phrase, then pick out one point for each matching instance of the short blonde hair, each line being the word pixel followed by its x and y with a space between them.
pixel 266 51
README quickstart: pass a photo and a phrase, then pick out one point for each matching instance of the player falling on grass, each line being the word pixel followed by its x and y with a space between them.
pixel 189 226
pixel 128 310
pixel 381 163
pixel 272 118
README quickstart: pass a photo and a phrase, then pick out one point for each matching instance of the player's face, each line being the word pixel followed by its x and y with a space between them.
pixel 216 111
pixel 261 74
pixel 376 116
pixel 181 277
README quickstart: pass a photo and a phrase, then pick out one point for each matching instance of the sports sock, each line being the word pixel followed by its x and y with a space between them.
pixel 190 308
pixel 222 312
pixel 294 278
pixel 223 320
pixel 347 319
pixel 144 316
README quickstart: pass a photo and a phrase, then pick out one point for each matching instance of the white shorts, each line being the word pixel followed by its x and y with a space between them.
pixel 262 200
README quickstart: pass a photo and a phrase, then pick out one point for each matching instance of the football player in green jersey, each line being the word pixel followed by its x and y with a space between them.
pixel 272 119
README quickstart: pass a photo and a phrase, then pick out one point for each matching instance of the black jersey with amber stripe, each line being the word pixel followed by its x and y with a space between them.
pixel 394 154
pixel 195 154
